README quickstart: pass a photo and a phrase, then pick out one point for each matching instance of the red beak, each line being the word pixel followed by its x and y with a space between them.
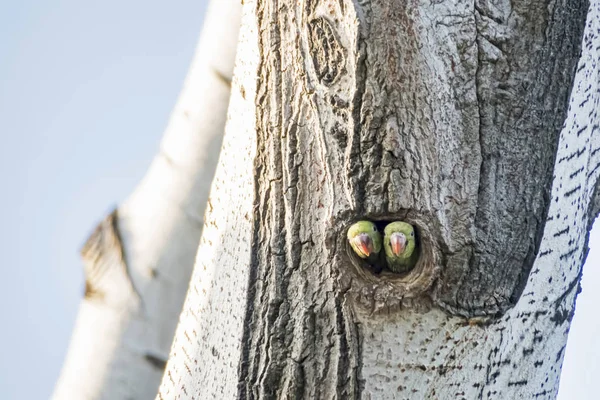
pixel 364 244
pixel 398 242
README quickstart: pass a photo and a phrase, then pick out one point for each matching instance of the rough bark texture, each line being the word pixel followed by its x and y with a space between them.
pixel 207 344
pixel 445 115
pixel 139 260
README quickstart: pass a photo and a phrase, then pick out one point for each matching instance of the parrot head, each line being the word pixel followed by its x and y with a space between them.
pixel 399 240
pixel 364 239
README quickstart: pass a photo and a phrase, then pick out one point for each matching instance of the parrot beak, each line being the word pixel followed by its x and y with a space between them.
pixel 364 244
pixel 398 242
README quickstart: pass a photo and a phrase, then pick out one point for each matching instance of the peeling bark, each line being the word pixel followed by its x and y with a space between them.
pixel 455 118
pixel 107 279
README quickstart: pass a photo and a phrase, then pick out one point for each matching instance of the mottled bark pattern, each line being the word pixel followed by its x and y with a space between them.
pixel 437 356
pixel 204 358
pixel 459 119
pixel 446 116
pixel 527 53
pixel 384 109
pixel 295 310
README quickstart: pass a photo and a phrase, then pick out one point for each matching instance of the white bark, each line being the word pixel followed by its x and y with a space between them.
pixel 206 349
pixel 243 340
pixel 139 260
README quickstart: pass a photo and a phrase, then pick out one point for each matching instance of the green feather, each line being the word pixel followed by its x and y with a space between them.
pixel 370 229
pixel 405 261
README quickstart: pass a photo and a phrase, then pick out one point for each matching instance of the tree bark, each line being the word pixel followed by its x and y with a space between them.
pixel 139 260
pixel 455 118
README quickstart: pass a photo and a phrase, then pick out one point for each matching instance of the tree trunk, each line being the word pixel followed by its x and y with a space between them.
pixel 139 260
pixel 455 118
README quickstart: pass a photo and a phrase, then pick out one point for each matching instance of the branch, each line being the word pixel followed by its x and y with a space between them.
pixel 139 260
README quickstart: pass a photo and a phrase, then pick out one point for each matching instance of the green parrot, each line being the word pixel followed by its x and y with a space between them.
pixel 400 246
pixel 365 240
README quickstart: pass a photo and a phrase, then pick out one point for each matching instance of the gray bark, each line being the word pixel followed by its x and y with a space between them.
pixel 446 116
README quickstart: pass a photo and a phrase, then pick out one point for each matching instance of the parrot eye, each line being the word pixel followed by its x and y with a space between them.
pixel 412 233
pixel 374 229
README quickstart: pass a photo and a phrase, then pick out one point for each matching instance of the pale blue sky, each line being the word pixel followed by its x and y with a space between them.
pixel 86 89
pixel 85 93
